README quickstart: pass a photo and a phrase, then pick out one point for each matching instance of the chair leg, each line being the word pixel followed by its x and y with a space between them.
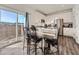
pixel 28 46
pixel 48 49
pixel 35 49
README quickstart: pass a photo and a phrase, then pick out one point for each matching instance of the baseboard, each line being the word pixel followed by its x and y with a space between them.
pixel 66 36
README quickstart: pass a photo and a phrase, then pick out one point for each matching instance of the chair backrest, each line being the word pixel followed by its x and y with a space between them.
pixel 33 28
pixel 33 33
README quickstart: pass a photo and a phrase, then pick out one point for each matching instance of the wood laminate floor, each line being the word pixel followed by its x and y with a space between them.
pixel 67 46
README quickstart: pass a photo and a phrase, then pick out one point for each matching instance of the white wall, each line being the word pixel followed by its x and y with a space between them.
pixel 76 22
pixel 34 17
pixel 67 16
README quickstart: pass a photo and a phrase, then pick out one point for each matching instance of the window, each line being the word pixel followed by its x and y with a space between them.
pixel 21 19
pixel 8 22
pixel 8 17
pixel 21 24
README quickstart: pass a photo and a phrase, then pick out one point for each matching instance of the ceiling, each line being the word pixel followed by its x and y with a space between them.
pixel 42 8
pixel 50 8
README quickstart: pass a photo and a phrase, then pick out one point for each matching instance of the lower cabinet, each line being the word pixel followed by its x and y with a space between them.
pixel 68 32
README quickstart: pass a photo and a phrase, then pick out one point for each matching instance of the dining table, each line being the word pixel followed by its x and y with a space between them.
pixel 44 33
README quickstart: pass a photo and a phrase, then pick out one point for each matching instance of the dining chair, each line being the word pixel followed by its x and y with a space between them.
pixel 51 42
pixel 35 40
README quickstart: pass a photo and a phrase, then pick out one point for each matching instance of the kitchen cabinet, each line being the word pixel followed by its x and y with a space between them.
pixel 68 32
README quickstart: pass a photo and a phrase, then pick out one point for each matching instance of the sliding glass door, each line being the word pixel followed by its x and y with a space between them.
pixel 11 28
pixel 8 27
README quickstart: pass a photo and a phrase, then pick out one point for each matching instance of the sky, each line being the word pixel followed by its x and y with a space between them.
pixel 11 17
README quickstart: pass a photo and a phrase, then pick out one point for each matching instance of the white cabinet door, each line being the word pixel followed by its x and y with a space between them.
pixel 68 31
